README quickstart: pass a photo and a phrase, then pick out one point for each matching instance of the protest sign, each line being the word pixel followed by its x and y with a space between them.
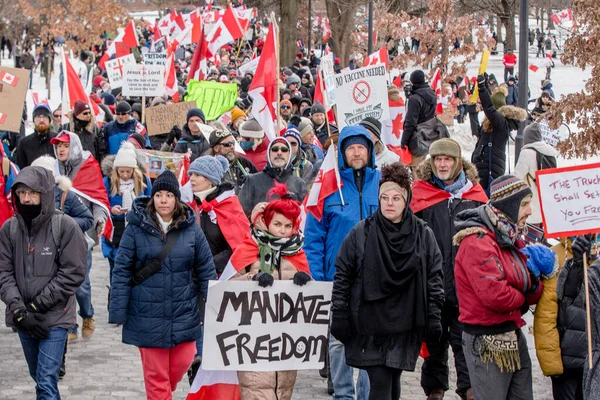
pixel 114 69
pixel 160 119
pixel 249 67
pixel 213 98
pixel 13 89
pixel 570 200
pixel 329 78
pixel 361 93
pixel 159 161
pixel 143 80
pixel 552 136
pixel 155 59
pixel 279 328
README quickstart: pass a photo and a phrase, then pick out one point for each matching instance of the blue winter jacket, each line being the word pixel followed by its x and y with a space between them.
pixel 115 133
pixel 548 88
pixel 162 311
pixel 74 208
pixel 117 200
pixel 324 238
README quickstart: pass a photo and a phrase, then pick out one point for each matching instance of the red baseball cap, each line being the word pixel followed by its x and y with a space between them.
pixel 62 137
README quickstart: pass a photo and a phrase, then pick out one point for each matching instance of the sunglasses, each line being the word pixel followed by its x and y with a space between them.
pixel 228 144
pixel 122 114
pixel 247 139
pixel 86 113
pixel 294 144
pixel 276 149
pixel 285 107
pixel 57 115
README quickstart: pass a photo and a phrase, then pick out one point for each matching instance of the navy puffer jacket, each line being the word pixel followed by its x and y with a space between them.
pixel 163 311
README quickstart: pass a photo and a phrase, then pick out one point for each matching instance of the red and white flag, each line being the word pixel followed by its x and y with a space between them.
pixel 171 86
pixel 164 24
pixel 542 63
pixel 391 130
pixel 191 33
pixel 436 85
pixel 209 385
pixel 328 181
pixel 209 4
pixel 380 56
pixel 199 63
pixel 562 16
pixel 226 30
pixel 130 37
pixel 244 15
pixel 2 117
pixel 73 90
pixel 263 88
pixel 177 26
pixel 8 78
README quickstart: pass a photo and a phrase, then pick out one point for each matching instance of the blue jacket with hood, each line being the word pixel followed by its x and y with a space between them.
pixel 115 133
pixel 324 238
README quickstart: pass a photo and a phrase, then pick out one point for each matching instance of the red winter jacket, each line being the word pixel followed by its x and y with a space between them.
pixel 509 60
pixel 258 157
pixel 490 282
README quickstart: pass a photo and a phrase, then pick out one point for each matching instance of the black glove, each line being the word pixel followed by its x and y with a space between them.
pixel 33 307
pixel 301 278
pixel 264 279
pixel 174 134
pixel 535 283
pixel 340 326
pixel 582 245
pixel 32 323
pixel 434 330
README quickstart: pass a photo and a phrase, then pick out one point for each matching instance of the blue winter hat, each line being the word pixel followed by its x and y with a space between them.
pixel 212 168
pixel 108 98
pixel 195 112
pixel 541 260
pixel 293 132
pixel 167 181
pixel 356 139
pixel 42 109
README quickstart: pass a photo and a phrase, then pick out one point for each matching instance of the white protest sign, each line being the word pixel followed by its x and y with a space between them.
pixel 328 78
pixel 361 93
pixel 279 328
pixel 143 80
pixel 114 69
pixel 155 59
pixel 570 200
pixel 550 136
pixel 249 67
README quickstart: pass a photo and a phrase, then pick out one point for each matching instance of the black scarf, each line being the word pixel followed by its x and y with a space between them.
pixel 394 297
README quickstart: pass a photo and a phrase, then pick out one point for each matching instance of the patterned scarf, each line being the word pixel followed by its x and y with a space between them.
pixel 505 229
pixel 459 183
pixel 501 349
pixel 127 194
pixel 271 248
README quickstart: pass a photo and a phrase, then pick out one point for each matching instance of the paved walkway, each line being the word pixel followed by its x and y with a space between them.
pixel 102 367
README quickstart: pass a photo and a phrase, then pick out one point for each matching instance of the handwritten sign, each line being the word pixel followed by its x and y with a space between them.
pixel 249 67
pixel 328 78
pixel 570 200
pixel 279 328
pixel 361 93
pixel 143 80
pixel 160 119
pixel 213 98
pixel 155 59
pixel 114 69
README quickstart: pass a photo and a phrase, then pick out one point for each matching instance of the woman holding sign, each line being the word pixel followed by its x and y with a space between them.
pixel 273 252
pixel 388 289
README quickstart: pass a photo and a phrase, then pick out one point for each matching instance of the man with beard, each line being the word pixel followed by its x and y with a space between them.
pixel 222 143
pixel 286 110
pixel 279 168
pixel 37 144
pixel 317 115
pixel 303 168
pixel 81 122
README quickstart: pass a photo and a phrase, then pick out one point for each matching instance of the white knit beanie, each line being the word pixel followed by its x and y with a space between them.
pixel 126 156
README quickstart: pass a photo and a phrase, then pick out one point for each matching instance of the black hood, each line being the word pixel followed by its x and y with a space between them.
pixel 426 92
pixel 40 180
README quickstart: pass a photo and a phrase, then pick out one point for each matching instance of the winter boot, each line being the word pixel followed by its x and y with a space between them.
pixel 436 394
pixel 470 395
pixel 63 368
pixel 89 325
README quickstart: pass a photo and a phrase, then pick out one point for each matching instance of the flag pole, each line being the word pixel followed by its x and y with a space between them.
pixel 276 37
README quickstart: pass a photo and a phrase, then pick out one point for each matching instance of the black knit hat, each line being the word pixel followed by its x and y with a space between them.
pixel 372 126
pixel 506 194
pixel 195 112
pixel 166 181
pixel 317 108
pixel 123 108
pixel 417 77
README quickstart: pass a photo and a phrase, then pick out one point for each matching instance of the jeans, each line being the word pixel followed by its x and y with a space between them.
pixel 44 358
pixel 342 374
pixel 508 72
pixel 84 295
pixel 200 342
pixel 30 77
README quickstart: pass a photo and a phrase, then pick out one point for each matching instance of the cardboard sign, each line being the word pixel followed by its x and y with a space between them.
pixel 143 80
pixel 155 59
pixel 361 93
pixel 249 67
pixel 161 119
pixel 114 69
pixel 279 328
pixel 570 200
pixel 14 85
pixel 213 98
pixel 159 161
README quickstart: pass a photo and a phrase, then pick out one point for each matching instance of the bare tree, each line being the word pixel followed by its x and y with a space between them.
pixel 288 12
pixel 505 10
pixel 341 15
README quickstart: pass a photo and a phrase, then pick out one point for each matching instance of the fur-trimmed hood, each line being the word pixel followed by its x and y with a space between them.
pixel 64 183
pixel 512 112
pixel 424 171
pixel 89 126
pixel 108 162
pixel 472 222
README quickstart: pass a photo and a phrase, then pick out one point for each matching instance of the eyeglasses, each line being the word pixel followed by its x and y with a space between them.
pixel 228 144
pixel 294 144
pixel 285 107
pixel 121 114
pixel 283 149
pixel 394 199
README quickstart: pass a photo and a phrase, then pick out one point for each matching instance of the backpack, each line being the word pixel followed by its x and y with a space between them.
pixel 543 162
pixel 56 227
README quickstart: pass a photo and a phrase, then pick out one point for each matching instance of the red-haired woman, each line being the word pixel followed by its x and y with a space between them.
pixel 273 252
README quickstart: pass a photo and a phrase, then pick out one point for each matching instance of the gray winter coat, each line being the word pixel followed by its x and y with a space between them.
pixel 46 275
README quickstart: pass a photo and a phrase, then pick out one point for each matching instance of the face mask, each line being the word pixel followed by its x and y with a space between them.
pixel 247 145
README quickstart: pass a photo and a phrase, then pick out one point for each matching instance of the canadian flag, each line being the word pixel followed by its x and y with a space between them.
pixel 199 65
pixel 436 85
pixel 191 34
pixel 73 90
pixel 2 117
pixel 244 15
pixel 263 88
pixel 8 78
pixel 116 48
pixel 380 56
pixel 171 86
pixel 164 24
pixel 177 26
pixel 326 29
pixel 327 182
pixel 130 37
pixel 543 63
pixel 226 30
pixel 209 4
pixel 562 16
pixel 391 130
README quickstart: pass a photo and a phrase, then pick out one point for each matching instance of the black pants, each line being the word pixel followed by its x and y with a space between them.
pixel 385 382
pixel 569 385
pixel 508 72
pixel 434 373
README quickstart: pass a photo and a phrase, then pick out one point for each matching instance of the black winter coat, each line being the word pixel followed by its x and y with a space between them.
pixel 90 135
pixel 239 170
pixel 198 144
pixel 420 108
pixel 495 131
pixel 257 185
pixel 402 350
pixel 33 146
